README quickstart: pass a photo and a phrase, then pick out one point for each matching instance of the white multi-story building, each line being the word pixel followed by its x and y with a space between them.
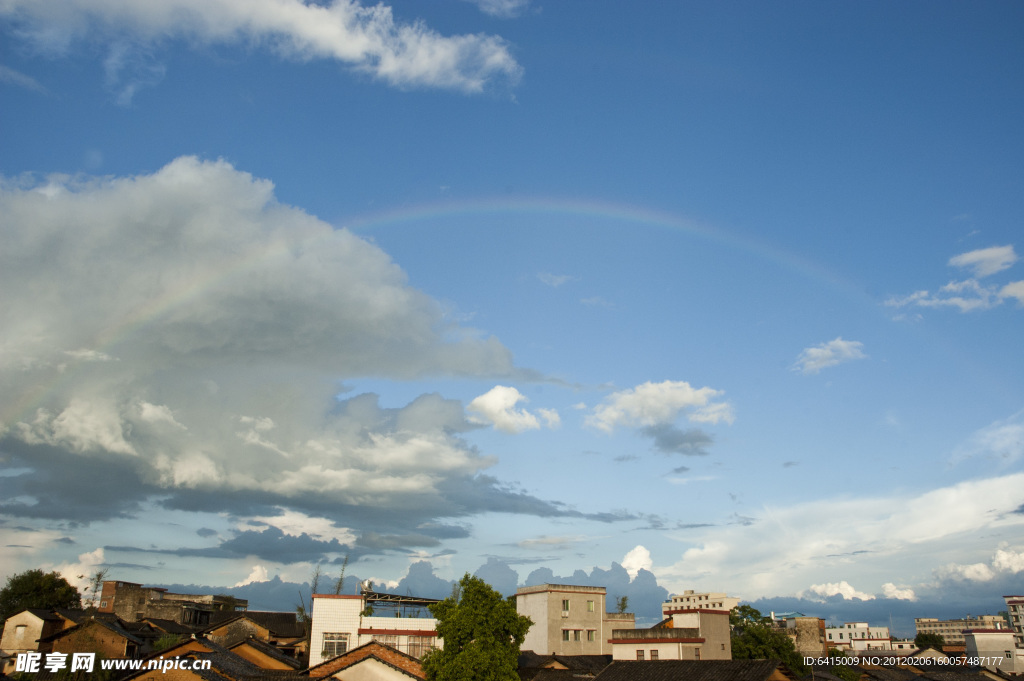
pixel 688 600
pixel 995 650
pixel 686 635
pixel 858 636
pixel 340 623
pixel 1015 609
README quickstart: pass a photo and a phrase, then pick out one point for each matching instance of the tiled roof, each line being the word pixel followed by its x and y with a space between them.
pixel 590 664
pixel 392 657
pixel 168 626
pixel 268 650
pixel 689 670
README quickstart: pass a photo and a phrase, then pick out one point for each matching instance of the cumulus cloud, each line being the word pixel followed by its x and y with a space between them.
pixel 369 39
pixel 985 261
pixel 637 559
pixel 181 336
pixel 653 404
pixel 258 574
pixel 80 573
pixel 1004 561
pixel 497 407
pixel 842 588
pixel 890 590
pixel 814 359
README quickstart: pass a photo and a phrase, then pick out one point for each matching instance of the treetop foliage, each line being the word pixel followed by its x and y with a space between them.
pixel 754 638
pixel 482 634
pixel 37 589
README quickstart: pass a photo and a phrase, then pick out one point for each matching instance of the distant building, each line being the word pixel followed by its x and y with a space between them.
pixel 689 600
pixel 133 602
pixel 1015 610
pixel 952 631
pixel 694 634
pixel 858 636
pixel 569 620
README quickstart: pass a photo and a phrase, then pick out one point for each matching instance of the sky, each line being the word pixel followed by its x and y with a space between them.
pixel 729 293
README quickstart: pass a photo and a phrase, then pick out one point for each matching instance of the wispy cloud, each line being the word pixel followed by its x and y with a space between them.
pixel 369 39
pixel 554 280
pixel 834 352
pixel 503 9
pixel 12 77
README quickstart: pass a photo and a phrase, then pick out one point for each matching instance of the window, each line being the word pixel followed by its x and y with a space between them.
pixel 419 645
pixel 639 654
pixel 334 644
pixel 576 635
pixel 654 654
pixel 565 604
pixel 591 635
pixel 386 639
pixel 696 653
pixel 565 634
pixel 590 606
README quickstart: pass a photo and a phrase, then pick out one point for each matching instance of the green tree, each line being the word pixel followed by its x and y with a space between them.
pixel 621 604
pixel 923 640
pixel 754 638
pixel 845 672
pixel 37 589
pixel 482 633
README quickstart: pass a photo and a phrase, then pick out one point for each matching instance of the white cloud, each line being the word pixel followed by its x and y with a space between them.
pixel 812 360
pixel 258 574
pixel 842 588
pixel 504 9
pixel 638 558
pixel 651 404
pixel 547 542
pixel 1005 561
pixel 970 295
pixel 890 590
pixel 497 407
pixel 986 261
pixel 1013 290
pixel 79 574
pixel 367 38
pixel 226 311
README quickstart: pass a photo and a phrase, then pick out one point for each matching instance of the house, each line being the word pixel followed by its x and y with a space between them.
pixel 264 655
pixel 206 661
pixel 691 670
pixel 531 665
pixel 371 661
pixel 689 600
pixel 343 622
pixel 568 619
pixel 22 633
pixel 279 629
pixel 112 639
pixel 694 634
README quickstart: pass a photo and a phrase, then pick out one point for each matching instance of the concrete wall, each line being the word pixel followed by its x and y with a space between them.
pixel 584 619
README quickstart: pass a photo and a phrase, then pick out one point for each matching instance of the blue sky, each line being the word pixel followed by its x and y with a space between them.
pixel 731 292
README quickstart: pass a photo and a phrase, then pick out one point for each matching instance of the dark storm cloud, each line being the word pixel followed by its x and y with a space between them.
pixel 669 439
